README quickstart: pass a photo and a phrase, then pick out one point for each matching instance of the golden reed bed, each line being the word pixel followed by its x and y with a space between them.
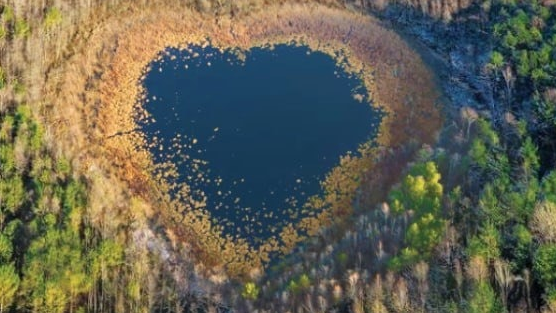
pixel 100 104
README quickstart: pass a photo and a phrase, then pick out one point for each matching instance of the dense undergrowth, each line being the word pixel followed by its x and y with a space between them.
pixel 471 227
pixel 52 258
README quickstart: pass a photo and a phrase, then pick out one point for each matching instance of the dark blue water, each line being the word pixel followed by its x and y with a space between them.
pixel 256 137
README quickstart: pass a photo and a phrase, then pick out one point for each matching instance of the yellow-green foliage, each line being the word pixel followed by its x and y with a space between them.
pixel 53 17
pixel 42 222
pixel 7 14
pixel 2 73
pixel 22 28
pixel 485 244
pixel 544 266
pixel 420 193
pixel 19 87
pixel 297 285
pixel 496 60
pixel 6 18
pixel 250 291
pixel 483 300
pixel 9 283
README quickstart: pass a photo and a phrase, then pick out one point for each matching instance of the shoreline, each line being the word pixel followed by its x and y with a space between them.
pixel 378 56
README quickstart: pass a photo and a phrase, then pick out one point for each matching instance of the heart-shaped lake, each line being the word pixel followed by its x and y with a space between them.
pixel 253 138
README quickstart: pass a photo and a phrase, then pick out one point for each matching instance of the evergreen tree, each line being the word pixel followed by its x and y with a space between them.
pixel 9 284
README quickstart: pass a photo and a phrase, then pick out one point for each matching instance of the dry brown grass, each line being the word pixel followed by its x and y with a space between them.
pixel 543 222
pixel 92 104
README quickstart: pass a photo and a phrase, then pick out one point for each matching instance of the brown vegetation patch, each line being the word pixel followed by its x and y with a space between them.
pixel 94 105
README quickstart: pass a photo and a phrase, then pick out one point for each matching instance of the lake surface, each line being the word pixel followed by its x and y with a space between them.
pixel 254 137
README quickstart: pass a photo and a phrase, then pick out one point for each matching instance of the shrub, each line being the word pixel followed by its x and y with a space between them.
pixel 304 281
pixel 549 187
pixel 550 299
pixel 8 14
pixel 544 265
pixel 496 60
pixel 19 87
pixel 421 193
pixel 250 291
pixel 520 247
pixel 6 249
pixel 407 257
pixel 485 244
pixel 9 284
pixel 22 28
pixel 483 300
pixel 52 17
pixel 342 258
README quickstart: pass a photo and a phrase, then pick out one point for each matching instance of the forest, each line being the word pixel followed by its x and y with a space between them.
pixel 468 226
